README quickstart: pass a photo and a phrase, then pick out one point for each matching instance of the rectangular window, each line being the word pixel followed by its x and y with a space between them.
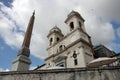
pixel 75 62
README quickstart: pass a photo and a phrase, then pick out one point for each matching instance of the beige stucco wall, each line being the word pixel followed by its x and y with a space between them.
pixel 84 56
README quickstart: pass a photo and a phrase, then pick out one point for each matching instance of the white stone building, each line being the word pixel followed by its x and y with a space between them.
pixel 73 50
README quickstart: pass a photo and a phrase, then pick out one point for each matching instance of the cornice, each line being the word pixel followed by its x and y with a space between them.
pixel 77 15
pixel 55 32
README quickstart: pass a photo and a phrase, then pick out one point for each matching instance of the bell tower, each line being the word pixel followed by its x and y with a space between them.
pixel 75 21
pixel 22 62
pixel 54 36
pixel 83 50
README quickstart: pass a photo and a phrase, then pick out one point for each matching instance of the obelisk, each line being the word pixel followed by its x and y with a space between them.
pixel 22 62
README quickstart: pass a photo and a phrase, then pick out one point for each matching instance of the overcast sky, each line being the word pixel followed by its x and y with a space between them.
pixel 102 22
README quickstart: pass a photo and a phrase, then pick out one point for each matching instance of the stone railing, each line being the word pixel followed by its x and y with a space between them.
pixel 107 73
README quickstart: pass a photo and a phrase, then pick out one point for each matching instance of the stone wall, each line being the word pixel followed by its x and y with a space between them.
pixel 109 73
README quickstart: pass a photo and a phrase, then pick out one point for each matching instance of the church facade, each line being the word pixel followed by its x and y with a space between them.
pixel 73 50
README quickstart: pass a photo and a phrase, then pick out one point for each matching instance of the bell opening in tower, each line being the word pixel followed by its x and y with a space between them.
pixel 71 26
pixel 51 39
pixel 57 39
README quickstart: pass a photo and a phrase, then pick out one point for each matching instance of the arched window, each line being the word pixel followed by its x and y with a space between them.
pixel 60 48
pixel 75 62
pixel 51 39
pixel 71 26
pixel 79 23
pixel 57 39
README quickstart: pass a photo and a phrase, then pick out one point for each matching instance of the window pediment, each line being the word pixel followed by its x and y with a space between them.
pixel 60 58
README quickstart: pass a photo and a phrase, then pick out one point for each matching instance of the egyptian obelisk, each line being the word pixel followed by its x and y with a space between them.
pixel 22 62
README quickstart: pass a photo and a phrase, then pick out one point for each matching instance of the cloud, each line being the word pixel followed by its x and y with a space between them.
pixel 98 15
pixel 101 32
pixel 4 70
pixel 8 29
pixel 107 9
